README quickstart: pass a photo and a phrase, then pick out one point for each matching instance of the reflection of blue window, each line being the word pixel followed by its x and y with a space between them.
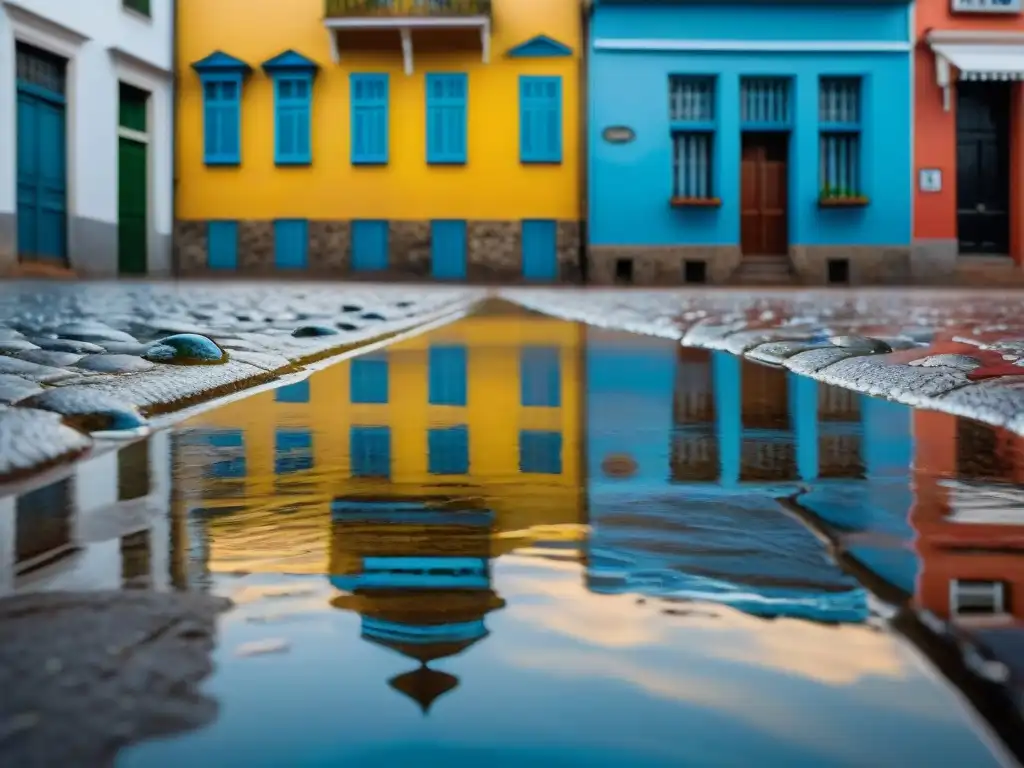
pixel 448 450
pixel 227 441
pixel 448 375
pixel 540 452
pixel 293 451
pixel 293 393
pixel 368 381
pixel 540 377
pixel 370 449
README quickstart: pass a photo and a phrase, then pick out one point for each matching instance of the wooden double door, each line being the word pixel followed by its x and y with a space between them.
pixel 764 195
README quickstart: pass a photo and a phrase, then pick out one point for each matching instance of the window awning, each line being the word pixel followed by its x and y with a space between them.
pixel 976 56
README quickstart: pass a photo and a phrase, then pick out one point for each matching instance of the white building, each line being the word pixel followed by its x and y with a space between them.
pixel 103 523
pixel 86 134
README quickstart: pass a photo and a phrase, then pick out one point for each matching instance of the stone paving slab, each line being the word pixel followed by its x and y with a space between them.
pixel 957 352
pixel 101 356
pixel 85 674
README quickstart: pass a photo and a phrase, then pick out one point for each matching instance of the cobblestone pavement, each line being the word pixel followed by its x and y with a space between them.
pixel 78 361
pixel 957 352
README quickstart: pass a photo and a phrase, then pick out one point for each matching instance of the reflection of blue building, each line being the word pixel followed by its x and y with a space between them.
pixel 420 579
pixel 712 441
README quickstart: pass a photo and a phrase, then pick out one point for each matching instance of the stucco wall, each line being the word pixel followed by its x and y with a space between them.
pixel 85 33
pixel 630 184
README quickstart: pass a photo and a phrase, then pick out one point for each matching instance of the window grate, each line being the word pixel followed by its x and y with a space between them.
pixel 765 101
pixel 692 165
pixel 691 99
pixel 839 100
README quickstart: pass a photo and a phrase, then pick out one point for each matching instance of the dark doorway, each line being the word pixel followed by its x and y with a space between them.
pixel 982 167
pixel 763 178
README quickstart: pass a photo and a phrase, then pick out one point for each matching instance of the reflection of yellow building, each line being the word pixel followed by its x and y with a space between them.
pixel 277 460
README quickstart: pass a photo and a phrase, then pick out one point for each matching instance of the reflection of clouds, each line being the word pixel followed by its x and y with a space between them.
pixel 825 654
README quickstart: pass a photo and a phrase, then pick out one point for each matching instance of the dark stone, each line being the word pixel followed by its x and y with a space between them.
pixel 308 331
pixel 186 349
pixel 861 344
pixel 371 316
pixel 351 308
pixel 348 327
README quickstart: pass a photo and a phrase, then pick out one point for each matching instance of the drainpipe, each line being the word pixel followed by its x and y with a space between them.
pixel 175 265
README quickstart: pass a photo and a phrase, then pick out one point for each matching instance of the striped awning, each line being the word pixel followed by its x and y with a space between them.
pixel 984 62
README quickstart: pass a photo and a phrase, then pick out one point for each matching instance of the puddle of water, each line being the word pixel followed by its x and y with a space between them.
pixel 516 538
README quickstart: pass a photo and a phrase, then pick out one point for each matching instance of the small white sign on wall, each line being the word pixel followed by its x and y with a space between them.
pixel 929 180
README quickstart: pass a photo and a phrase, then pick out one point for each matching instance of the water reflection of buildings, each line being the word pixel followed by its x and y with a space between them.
pixel 104 525
pixel 687 449
pixel 400 473
pixel 969 517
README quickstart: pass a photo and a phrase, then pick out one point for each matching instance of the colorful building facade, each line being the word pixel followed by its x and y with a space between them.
pixel 728 134
pixel 969 119
pixel 86 135
pixel 380 137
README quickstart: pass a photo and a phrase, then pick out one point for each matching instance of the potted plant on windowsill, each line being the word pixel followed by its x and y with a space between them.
pixel 839 197
pixel 695 202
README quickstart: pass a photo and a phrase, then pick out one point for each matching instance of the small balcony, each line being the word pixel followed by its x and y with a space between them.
pixel 405 26
pixel 406 9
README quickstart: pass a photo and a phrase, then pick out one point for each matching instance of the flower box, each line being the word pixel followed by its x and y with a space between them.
pixel 695 202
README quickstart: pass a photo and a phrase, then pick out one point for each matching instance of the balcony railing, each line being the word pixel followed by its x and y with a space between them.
pixel 335 9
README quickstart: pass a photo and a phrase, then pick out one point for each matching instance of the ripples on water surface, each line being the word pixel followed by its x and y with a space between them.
pixel 518 539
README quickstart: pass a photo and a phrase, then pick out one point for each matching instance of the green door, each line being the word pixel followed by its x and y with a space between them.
pixel 132 201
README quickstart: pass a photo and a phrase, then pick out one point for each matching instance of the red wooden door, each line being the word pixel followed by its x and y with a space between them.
pixel 763 198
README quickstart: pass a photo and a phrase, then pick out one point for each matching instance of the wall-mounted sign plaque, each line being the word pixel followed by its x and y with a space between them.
pixel 929 180
pixel 985 6
pixel 618 134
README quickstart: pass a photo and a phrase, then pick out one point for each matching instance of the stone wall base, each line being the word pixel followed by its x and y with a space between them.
pixel 933 261
pixel 864 264
pixel 493 251
pixel 660 265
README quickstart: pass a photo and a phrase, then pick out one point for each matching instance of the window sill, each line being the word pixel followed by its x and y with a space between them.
pixel 695 202
pixel 293 163
pixel 233 163
pixel 549 161
pixel 446 162
pixel 145 18
pixel 843 202
pixel 369 163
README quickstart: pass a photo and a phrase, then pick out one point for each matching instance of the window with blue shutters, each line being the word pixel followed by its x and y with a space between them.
pixel 222 245
pixel 540 119
pixel 540 377
pixel 369 104
pixel 370 451
pixel 222 120
pixel 293 106
pixel 291 243
pixel 293 451
pixel 447 375
pixel 228 451
pixel 692 111
pixel 368 380
pixel 839 124
pixel 448 450
pixel 293 393
pixel 446 118
pixel 540 452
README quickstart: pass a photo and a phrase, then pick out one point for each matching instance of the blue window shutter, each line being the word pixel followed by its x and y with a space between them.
pixel 448 451
pixel 293 393
pixel 540 377
pixel 447 375
pixel 448 249
pixel 222 115
pixel 370 451
pixel 222 245
pixel 369 245
pixel 369 104
pixel 540 119
pixel 293 451
pixel 540 452
pixel 291 243
pixel 228 446
pixel 293 102
pixel 447 96
pixel 368 380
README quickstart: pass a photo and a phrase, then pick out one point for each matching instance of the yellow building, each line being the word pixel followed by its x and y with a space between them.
pixel 412 137
pixel 483 414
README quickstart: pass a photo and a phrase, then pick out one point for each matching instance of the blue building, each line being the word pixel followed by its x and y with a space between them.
pixel 725 135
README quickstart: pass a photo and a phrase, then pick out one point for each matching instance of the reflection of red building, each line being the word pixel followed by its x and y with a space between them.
pixel 968 515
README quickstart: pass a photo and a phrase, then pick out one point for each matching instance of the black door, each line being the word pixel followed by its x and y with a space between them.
pixel 983 167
